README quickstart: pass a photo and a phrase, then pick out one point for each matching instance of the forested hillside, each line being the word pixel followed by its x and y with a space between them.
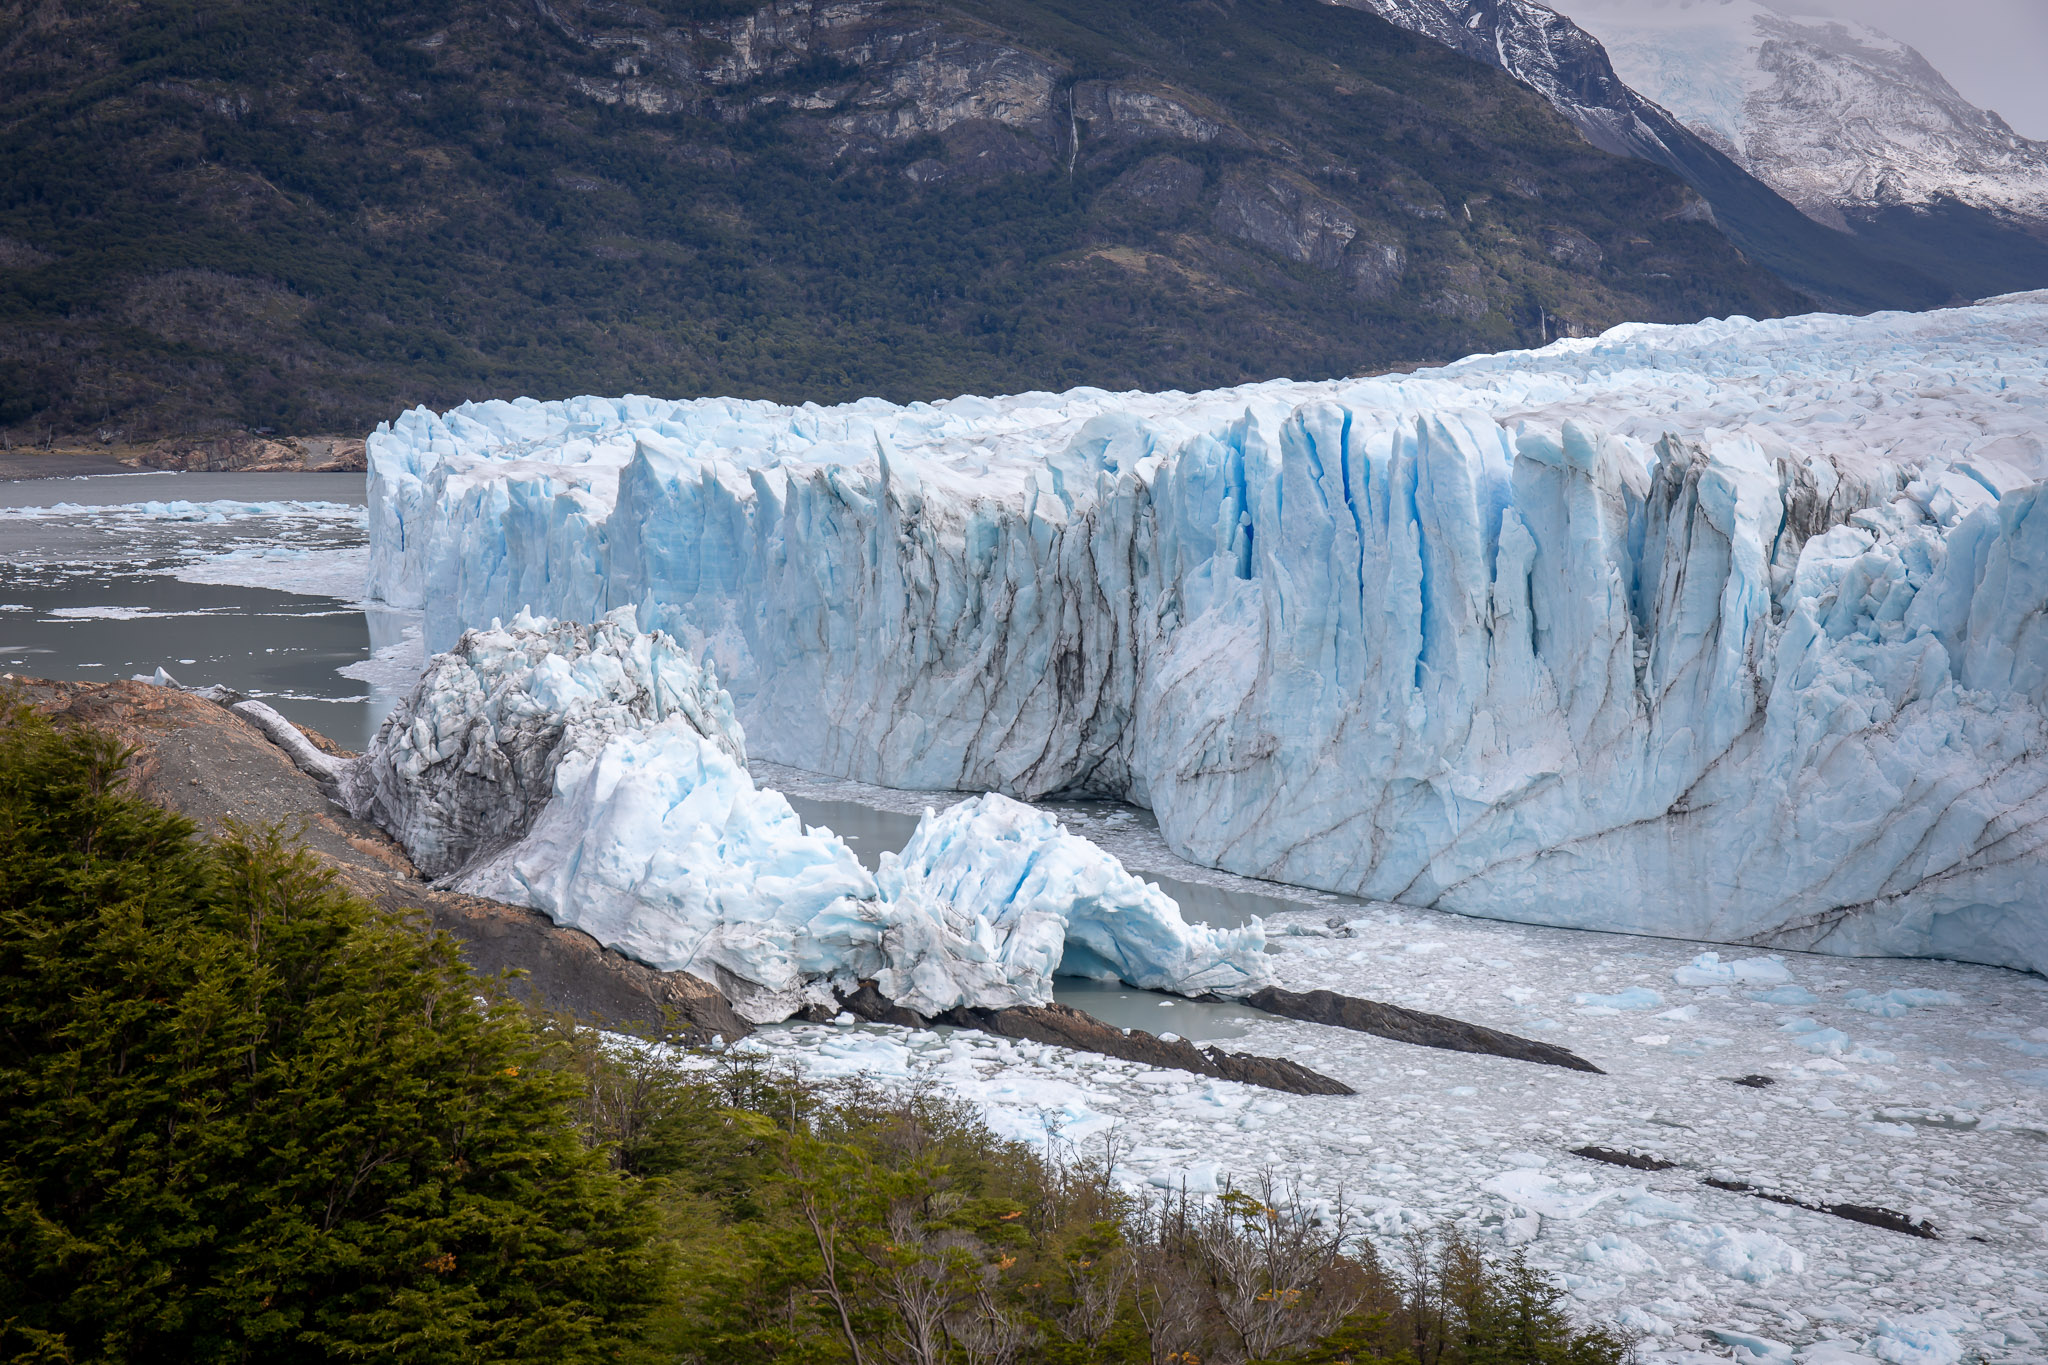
pixel 305 214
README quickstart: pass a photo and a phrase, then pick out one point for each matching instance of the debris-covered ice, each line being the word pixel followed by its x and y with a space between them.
pixel 1730 632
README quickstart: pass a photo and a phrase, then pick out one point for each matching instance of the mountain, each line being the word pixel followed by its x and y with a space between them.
pixel 306 214
pixel 1835 116
pixel 1854 127
pixel 1771 119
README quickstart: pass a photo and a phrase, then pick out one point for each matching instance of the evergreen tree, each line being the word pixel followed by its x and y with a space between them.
pixel 244 1116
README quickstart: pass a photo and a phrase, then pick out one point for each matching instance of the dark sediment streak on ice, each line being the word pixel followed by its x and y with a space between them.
pixel 1410 1026
pixel 1870 1215
pixel 1063 1026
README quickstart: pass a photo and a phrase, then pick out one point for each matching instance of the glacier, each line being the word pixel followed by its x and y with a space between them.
pixel 1735 631
pixel 597 773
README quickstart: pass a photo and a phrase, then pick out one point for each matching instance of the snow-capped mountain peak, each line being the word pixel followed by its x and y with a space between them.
pixel 1835 116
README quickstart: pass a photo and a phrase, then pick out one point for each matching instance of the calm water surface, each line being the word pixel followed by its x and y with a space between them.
pixel 88 587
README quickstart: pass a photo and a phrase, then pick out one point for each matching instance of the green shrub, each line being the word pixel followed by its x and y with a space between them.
pixel 246 1117
pixel 249 1118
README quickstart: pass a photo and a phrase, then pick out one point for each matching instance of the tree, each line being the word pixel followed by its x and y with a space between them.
pixel 244 1115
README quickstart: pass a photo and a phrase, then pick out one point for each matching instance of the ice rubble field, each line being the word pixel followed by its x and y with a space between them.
pixel 1729 631
pixel 597 774
pixel 1910 1085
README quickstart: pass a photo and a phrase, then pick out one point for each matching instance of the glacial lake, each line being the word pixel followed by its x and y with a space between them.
pixel 112 576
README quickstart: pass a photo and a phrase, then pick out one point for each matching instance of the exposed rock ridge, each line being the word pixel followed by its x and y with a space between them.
pixel 1411 1026
pixel 1063 1026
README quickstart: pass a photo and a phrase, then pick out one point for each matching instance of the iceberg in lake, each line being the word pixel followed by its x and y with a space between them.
pixel 1733 631
pixel 596 773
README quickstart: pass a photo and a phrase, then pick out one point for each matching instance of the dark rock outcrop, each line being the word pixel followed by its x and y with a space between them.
pixel 1410 1026
pixel 1870 1215
pixel 1063 1026
pixel 1634 1161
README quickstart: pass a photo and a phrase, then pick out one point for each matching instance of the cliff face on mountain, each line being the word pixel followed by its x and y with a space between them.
pixel 1919 197
pixel 303 216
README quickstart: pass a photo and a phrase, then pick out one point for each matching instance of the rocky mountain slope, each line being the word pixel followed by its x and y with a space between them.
pixel 1770 119
pixel 1835 116
pixel 306 215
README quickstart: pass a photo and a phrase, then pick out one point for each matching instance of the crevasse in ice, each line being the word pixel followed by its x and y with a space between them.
pixel 596 773
pixel 1732 631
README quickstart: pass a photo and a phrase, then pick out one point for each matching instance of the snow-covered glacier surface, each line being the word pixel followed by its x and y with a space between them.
pixel 1732 632
pixel 596 773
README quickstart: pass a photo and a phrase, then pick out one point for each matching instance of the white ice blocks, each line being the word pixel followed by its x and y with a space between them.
pixel 463 767
pixel 1036 898
pixel 596 774
pixel 1732 631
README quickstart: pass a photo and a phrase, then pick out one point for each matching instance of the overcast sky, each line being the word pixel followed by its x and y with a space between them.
pixel 1994 51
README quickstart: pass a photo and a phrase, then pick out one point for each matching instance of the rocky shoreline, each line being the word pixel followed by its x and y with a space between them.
pixel 205 762
pixel 233 453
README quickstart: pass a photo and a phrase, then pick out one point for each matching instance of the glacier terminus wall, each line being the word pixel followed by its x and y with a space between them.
pixel 1736 631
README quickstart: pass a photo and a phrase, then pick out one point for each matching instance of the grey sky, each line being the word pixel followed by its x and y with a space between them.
pixel 1995 52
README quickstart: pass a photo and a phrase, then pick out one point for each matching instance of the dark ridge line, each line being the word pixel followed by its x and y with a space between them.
pixel 1635 1161
pixel 1871 1214
pixel 1410 1026
pixel 1063 1026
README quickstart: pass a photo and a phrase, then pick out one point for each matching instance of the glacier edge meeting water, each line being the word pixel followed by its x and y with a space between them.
pixel 596 773
pixel 1731 632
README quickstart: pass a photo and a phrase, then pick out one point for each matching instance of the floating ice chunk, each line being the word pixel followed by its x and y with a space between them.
pixel 1894 1004
pixel 2034 1044
pixel 1642 1322
pixel 1750 1347
pixel 1540 1194
pixel 1612 1251
pixel 859 1054
pixel 1755 1257
pixel 1834 1353
pixel 1919 1339
pixel 1786 995
pixel 108 613
pixel 1203 1177
pixel 1649 1206
pixel 1634 998
pixel 1822 1041
pixel 1709 970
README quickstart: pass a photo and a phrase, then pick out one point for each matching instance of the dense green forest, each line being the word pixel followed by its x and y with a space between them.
pixel 306 214
pixel 250 1118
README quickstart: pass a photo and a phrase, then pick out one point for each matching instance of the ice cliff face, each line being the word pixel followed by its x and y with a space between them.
pixel 596 773
pixel 1733 631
